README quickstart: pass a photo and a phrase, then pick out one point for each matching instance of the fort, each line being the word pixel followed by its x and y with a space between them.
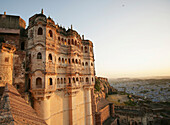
pixel 52 68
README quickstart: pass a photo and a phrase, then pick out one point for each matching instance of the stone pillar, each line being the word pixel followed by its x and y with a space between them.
pixel 88 107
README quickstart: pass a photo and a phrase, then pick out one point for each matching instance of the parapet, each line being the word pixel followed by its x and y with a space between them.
pixel 11 22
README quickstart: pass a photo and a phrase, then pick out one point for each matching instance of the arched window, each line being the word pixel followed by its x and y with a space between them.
pixel 50 33
pixel 82 63
pixel 50 57
pixel 74 80
pixel 61 80
pixel 65 61
pixel 65 42
pixel 69 61
pixel 92 79
pixel 72 42
pixel 87 79
pixel 58 81
pixel 76 61
pixel 62 60
pixel 68 41
pixel 22 45
pixel 91 64
pixel 38 82
pixel 69 79
pixel 39 56
pixel 72 60
pixel 40 31
pixel 86 50
pixel 81 48
pixel 50 82
pixel 86 63
pixel 59 59
pixel 58 38
pixel 77 79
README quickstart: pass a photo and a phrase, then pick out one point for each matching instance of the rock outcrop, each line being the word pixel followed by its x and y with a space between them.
pixel 102 88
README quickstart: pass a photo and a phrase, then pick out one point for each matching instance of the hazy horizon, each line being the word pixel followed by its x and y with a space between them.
pixel 131 38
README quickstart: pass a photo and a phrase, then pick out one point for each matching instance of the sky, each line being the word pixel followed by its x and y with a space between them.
pixel 131 37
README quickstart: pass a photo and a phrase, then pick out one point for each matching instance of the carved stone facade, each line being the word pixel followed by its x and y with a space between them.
pixel 53 69
pixel 6 63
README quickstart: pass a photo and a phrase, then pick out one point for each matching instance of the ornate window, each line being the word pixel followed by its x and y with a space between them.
pixel 65 61
pixel 72 42
pixel 38 82
pixel 59 59
pixel 40 31
pixel 39 56
pixel 50 82
pixel 72 60
pixel 69 79
pixel 50 33
pixel 76 61
pixel 58 38
pixel 58 81
pixel 62 60
pixel 68 41
pixel 50 57
pixel 69 61
pixel 74 80
pixel 61 80
pixel 87 79
pixel 65 42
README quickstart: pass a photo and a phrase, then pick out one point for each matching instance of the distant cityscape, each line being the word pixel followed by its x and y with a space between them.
pixel 156 90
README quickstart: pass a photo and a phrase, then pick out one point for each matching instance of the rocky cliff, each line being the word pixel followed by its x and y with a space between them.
pixel 102 88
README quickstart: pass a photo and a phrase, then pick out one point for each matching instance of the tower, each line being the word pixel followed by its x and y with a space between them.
pixel 6 63
pixel 60 67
